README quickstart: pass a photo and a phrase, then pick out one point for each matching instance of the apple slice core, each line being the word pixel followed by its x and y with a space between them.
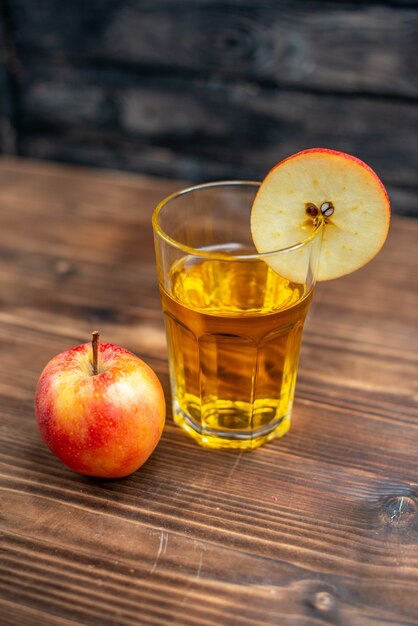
pixel 321 184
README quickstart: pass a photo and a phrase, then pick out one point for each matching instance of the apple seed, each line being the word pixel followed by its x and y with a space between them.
pixel 327 209
pixel 312 210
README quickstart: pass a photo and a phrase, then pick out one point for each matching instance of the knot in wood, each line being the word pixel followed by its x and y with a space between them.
pixel 231 41
pixel 401 511
pixel 63 267
pixel 323 601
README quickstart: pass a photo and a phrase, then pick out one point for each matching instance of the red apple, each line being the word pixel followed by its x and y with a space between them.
pixel 100 410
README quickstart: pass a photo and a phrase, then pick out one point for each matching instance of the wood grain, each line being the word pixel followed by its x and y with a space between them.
pixel 353 47
pixel 7 122
pixel 204 129
pixel 317 528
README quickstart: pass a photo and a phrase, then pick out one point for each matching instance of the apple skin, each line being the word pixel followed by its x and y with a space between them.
pixel 104 425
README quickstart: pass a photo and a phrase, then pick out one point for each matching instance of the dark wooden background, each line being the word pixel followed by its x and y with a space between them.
pixel 202 89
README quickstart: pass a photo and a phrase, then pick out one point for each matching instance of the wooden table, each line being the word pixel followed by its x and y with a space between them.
pixel 320 527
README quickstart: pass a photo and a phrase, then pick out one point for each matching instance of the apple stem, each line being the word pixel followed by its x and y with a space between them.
pixel 95 346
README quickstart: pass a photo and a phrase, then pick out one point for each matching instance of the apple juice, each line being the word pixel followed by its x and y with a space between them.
pixel 234 332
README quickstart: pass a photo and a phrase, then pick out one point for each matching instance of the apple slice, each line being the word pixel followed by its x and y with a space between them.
pixel 320 184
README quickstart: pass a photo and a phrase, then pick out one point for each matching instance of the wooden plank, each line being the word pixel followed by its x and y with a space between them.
pixel 226 92
pixel 138 156
pixel 7 129
pixel 350 46
pixel 200 129
pixel 187 579
pixel 7 132
pixel 28 616
pixel 317 528
pixel 403 200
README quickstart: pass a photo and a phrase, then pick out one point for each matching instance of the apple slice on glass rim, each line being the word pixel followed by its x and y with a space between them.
pixel 313 185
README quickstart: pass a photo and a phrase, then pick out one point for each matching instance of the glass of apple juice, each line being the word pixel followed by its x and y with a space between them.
pixel 234 325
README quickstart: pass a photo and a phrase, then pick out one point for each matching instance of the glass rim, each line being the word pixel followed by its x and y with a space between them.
pixel 222 256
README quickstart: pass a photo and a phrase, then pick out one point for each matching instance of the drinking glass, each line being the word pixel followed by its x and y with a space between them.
pixel 234 325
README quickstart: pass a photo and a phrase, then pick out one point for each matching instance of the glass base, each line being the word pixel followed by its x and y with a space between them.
pixel 227 439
